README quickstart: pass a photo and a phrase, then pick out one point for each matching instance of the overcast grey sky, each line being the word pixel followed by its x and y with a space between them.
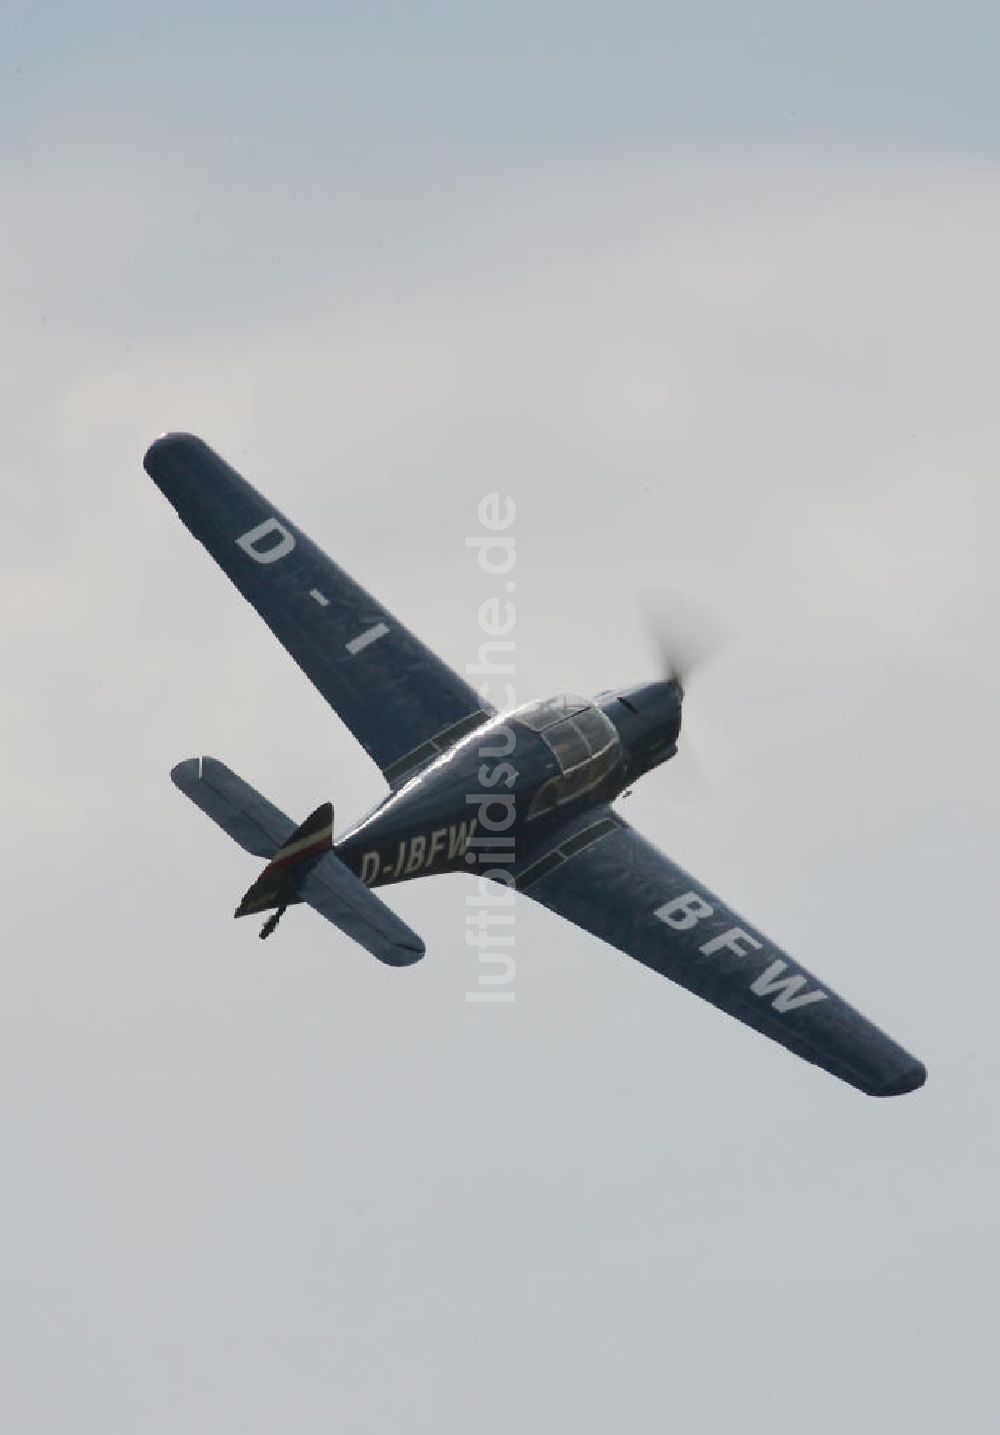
pixel 711 291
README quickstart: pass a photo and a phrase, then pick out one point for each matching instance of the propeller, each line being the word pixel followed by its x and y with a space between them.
pixel 685 635
pixel 686 639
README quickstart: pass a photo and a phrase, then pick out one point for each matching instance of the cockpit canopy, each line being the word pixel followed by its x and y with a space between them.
pixel 583 740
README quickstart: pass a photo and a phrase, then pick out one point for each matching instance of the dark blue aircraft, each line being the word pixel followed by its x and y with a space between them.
pixel 523 797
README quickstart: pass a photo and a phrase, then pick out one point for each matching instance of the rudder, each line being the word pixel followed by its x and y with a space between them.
pixel 277 885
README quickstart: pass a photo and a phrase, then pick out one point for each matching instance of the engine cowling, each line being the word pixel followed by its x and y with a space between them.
pixel 648 719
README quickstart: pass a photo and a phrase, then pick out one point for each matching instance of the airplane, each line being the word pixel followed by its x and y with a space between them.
pixel 523 797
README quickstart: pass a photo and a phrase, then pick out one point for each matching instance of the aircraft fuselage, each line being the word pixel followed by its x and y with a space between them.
pixel 497 795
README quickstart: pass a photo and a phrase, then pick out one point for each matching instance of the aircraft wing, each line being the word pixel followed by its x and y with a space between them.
pixel 401 702
pixel 607 879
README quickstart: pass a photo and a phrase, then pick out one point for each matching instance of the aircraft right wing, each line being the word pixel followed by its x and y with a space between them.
pixel 607 879
pixel 402 703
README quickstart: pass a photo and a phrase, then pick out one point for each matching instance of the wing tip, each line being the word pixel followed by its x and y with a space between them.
pixel 169 445
pixel 405 954
pixel 188 774
pixel 909 1080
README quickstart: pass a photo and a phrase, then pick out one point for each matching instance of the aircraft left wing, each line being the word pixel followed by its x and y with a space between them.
pixel 607 879
pixel 400 701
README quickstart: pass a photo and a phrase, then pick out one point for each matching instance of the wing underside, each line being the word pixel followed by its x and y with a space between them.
pixel 402 703
pixel 607 879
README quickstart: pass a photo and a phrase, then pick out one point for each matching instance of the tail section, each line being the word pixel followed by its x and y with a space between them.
pixel 301 865
pixel 277 885
pixel 249 819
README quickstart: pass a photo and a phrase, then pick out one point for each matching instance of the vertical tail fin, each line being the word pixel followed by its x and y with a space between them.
pixel 277 885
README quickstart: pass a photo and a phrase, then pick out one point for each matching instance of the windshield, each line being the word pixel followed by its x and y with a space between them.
pixel 548 711
pixel 583 740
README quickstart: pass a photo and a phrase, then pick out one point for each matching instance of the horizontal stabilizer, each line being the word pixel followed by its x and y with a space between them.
pixel 250 819
pixel 344 900
pixel 301 856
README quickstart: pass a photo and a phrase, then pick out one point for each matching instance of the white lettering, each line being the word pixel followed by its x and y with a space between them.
pixel 498 875
pixel 509 738
pixel 495 889
pixel 489 512
pixel 483 938
pixel 369 868
pixel 362 641
pixel 507 806
pixel 486 662
pixel 490 619
pixel 489 564
pixel 731 942
pixel 418 846
pixel 504 772
pixel 684 912
pixel 459 837
pixel 509 700
pixel 497 979
pixel 249 541
pixel 783 990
